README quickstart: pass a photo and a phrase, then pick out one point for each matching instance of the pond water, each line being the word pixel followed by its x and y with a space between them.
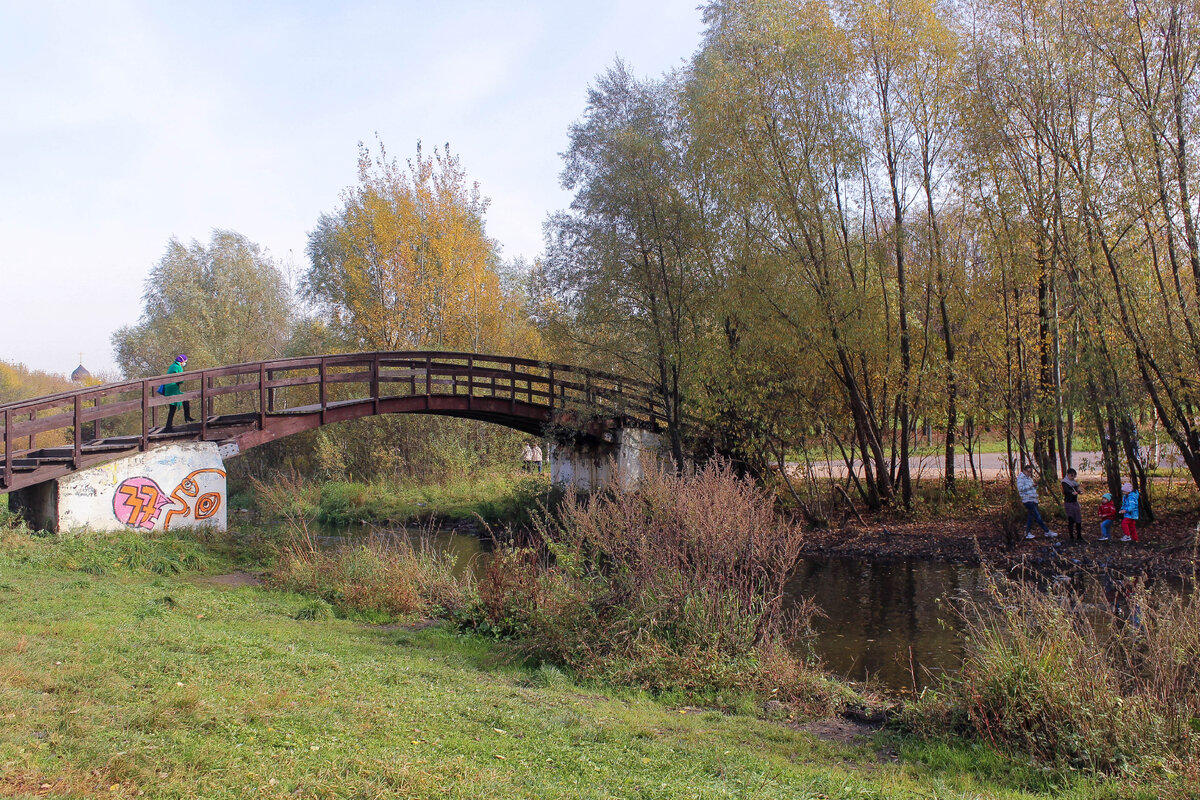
pixel 887 622
pixel 890 622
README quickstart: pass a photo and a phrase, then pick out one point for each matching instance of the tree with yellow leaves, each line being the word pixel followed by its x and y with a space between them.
pixel 406 262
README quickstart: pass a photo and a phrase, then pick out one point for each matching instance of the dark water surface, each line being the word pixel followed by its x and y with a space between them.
pixel 885 621
pixel 891 622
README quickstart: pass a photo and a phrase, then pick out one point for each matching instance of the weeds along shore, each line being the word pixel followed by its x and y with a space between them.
pixel 677 586
pixel 674 591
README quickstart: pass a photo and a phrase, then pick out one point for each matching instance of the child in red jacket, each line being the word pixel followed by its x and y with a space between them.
pixel 1108 515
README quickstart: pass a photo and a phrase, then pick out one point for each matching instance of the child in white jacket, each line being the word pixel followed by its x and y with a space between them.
pixel 1027 490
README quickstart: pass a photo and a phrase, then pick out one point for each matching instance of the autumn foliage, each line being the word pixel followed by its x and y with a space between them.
pixel 406 262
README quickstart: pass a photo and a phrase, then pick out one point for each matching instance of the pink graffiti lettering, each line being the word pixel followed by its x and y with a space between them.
pixel 137 502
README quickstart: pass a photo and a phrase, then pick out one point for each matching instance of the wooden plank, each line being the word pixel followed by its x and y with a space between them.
pixel 349 377
pixel 145 439
pixel 239 369
pixel 32 427
pixel 78 434
pixel 8 448
pixel 234 388
pixel 306 380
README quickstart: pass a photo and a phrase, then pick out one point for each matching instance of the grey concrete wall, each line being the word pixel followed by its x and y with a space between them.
pixel 622 462
pixel 38 504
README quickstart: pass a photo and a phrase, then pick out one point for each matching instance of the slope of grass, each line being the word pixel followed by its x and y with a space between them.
pixel 499 498
pixel 129 684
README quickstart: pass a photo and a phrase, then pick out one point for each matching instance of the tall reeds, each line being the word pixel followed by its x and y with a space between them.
pixel 677 584
pixel 1105 678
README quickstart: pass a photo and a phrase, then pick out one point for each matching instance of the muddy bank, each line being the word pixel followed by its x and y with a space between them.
pixel 1168 547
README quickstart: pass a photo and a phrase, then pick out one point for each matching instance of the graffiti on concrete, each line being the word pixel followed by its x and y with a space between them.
pixel 138 502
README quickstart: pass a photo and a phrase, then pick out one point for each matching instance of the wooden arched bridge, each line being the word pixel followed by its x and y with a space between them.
pixel 250 404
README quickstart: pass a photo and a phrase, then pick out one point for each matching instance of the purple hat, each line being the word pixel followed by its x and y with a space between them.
pixel 181 358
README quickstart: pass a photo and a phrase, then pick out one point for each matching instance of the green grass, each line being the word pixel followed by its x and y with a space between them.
pixel 499 498
pixel 127 683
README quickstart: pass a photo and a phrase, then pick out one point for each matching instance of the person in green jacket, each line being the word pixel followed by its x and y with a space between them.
pixel 170 389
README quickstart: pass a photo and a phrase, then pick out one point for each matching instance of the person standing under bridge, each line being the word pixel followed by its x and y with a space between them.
pixel 170 389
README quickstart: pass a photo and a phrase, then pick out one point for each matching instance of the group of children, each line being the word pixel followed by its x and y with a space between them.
pixel 1108 511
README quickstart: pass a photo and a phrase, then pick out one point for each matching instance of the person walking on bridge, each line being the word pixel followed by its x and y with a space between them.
pixel 171 389
pixel 1027 490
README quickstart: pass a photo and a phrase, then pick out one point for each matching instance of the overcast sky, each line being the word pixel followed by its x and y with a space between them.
pixel 123 124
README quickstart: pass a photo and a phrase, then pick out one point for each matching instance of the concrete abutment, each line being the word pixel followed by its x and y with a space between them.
pixel 622 461
pixel 175 486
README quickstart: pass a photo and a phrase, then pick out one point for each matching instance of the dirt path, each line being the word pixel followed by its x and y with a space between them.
pixel 231 580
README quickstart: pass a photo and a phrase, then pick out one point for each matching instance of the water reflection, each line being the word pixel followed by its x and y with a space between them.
pixel 890 622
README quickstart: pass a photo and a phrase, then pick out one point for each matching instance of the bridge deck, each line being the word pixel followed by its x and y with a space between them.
pixel 250 404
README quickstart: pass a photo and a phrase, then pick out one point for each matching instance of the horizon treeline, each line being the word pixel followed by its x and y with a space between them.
pixel 843 224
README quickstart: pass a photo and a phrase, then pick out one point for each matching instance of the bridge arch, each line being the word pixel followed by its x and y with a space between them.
pixel 246 405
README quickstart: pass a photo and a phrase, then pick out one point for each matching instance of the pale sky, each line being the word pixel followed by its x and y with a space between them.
pixel 123 124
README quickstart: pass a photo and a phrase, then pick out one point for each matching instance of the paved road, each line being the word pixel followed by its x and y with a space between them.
pixel 990 465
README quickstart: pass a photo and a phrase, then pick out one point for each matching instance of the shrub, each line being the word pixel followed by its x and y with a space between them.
pixel 395 578
pixel 518 509
pixel 676 585
pixel 314 610
pixel 1049 675
pixel 341 503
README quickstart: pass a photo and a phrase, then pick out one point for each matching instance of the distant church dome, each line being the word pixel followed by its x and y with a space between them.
pixel 81 374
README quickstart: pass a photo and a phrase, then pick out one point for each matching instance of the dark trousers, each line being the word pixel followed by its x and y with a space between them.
pixel 1032 515
pixel 187 413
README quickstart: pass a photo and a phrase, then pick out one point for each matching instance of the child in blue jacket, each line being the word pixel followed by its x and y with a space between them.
pixel 1129 512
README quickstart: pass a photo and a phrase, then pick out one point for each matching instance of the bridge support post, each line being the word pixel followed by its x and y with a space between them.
pixel 623 461
pixel 179 485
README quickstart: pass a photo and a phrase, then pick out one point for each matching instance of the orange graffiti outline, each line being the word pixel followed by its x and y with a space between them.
pixel 216 506
pixel 184 485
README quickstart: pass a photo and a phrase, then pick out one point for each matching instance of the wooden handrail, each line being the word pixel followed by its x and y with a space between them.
pixel 512 381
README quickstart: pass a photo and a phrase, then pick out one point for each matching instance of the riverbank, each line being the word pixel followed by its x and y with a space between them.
pixel 500 499
pixel 981 527
pixel 118 682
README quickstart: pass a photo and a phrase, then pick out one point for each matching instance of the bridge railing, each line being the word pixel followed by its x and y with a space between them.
pixel 69 427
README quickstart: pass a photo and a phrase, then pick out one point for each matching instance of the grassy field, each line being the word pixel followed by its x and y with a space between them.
pixel 116 681
pixel 499 498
